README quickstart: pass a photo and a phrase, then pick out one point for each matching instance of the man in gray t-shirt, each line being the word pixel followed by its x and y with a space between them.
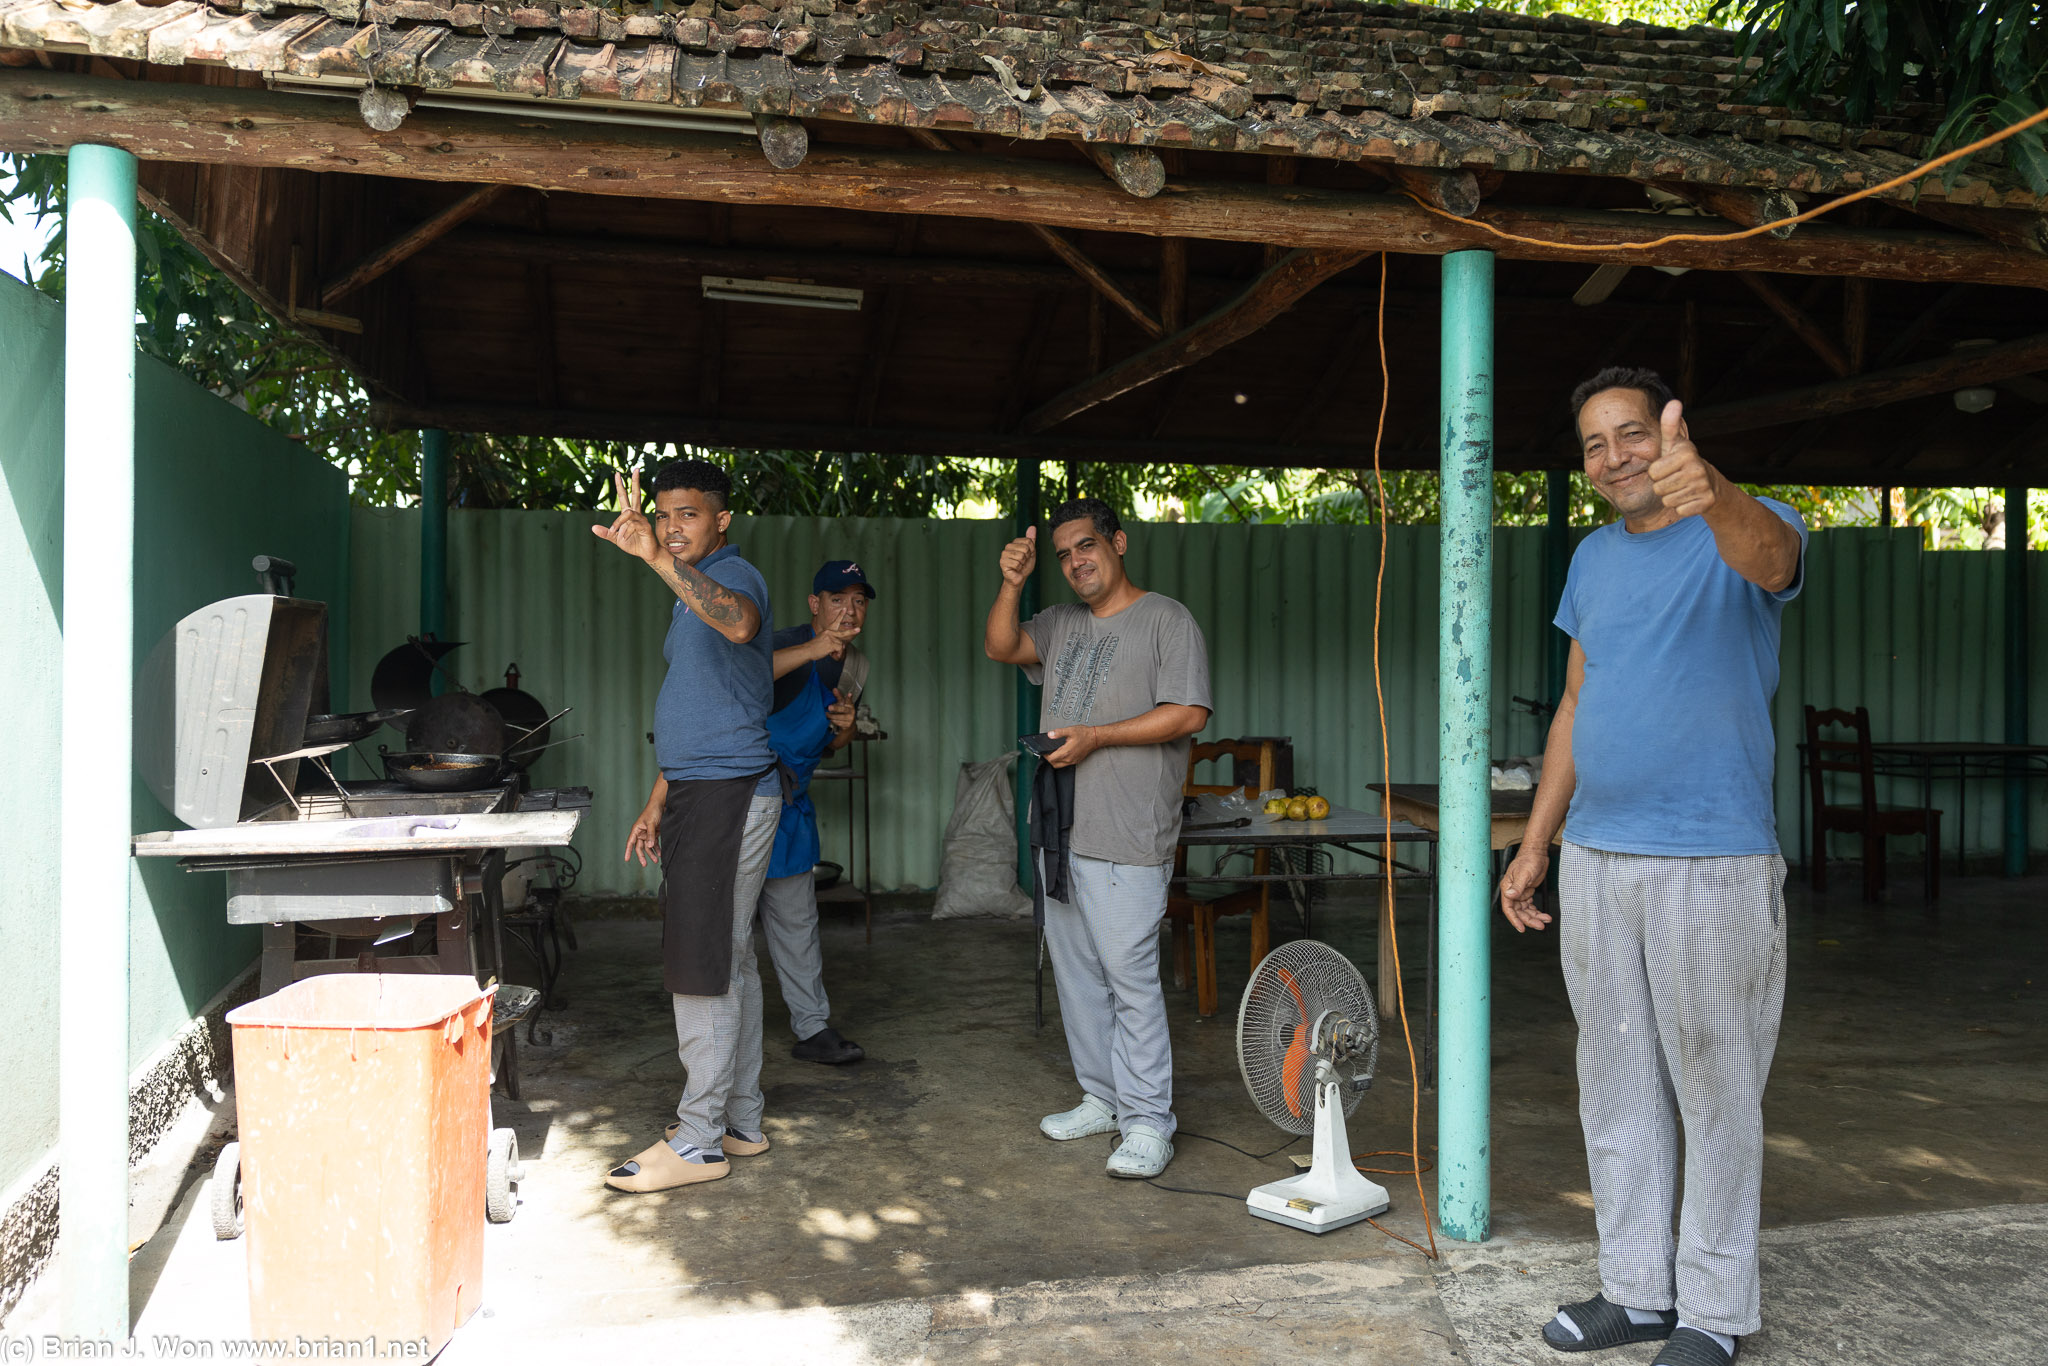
pixel 1126 687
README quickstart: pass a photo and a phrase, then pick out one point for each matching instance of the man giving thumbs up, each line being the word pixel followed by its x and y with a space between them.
pixel 1671 888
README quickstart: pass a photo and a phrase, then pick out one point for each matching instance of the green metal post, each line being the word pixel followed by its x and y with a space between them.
pixel 1464 709
pixel 1027 691
pixel 2015 675
pixel 1557 555
pixel 434 533
pixel 97 742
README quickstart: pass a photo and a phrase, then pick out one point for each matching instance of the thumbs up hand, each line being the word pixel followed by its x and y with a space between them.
pixel 1020 557
pixel 1684 482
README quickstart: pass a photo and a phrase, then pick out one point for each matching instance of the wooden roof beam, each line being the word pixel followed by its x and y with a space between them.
pixel 2007 227
pixel 784 141
pixel 1984 365
pixel 44 111
pixel 411 243
pixel 1744 208
pixel 1796 318
pixel 1265 299
pixel 1455 192
pixel 1136 171
pixel 1095 275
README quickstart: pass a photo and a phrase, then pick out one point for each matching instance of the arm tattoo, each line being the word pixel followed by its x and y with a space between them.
pixel 712 600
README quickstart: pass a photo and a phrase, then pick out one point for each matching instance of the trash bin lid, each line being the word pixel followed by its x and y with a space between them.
pixel 363 1000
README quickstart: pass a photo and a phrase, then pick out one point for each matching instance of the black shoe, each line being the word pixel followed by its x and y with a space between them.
pixel 827 1047
pixel 1603 1324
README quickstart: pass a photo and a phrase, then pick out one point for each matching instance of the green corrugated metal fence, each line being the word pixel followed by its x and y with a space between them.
pixel 1914 635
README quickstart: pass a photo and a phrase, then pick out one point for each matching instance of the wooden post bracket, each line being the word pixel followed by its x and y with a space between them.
pixel 411 243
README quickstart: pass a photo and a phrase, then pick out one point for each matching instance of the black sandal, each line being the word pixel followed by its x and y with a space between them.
pixel 1606 1324
pixel 1691 1347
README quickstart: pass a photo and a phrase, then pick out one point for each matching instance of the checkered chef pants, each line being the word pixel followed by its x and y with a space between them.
pixel 1676 968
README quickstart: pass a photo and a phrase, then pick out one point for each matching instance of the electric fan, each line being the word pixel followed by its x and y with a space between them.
pixel 1308 1036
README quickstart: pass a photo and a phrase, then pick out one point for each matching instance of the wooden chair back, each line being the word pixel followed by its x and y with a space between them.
pixel 1841 754
pixel 1243 751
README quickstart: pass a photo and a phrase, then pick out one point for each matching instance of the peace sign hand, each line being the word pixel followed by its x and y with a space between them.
pixel 630 531
pixel 1684 482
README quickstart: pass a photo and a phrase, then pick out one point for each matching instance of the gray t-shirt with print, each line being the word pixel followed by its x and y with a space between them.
pixel 1096 670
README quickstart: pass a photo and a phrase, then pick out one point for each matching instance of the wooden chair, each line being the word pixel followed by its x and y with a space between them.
pixel 1193 908
pixel 1845 754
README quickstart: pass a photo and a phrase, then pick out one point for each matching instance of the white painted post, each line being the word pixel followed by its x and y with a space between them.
pixel 97 767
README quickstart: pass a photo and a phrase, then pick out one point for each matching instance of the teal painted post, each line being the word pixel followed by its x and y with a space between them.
pixel 434 534
pixel 2016 645
pixel 1465 702
pixel 1027 691
pixel 1557 556
pixel 97 741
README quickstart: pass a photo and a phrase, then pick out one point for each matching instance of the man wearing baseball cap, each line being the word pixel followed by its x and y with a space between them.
pixel 818 678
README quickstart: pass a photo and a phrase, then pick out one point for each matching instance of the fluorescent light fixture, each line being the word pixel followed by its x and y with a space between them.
pixel 794 293
pixel 472 100
pixel 1976 398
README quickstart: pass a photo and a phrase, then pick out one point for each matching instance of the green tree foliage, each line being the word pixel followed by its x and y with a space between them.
pixel 1985 62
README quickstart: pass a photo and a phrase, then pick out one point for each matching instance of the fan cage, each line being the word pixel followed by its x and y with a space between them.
pixel 1297 985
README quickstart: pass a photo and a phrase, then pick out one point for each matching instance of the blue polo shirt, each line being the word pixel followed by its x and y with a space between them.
pixel 711 716
pixel 1672 741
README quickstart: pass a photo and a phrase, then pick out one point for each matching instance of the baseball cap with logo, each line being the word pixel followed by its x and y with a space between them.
pixel 839 575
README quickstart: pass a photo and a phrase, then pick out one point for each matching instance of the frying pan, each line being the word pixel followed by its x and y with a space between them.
pixel 345 728
pixel 430 771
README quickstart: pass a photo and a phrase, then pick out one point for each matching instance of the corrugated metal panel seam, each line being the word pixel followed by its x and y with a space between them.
pixel 1287 612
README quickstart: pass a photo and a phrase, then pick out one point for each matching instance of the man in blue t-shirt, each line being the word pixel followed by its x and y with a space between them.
pixel 1671 887
pixel 819 675
pixel 712 818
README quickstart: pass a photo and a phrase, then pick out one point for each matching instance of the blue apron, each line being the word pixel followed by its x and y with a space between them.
pixel 800 734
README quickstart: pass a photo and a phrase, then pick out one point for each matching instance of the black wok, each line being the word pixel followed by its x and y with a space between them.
pixel 346 728
pixel 430 771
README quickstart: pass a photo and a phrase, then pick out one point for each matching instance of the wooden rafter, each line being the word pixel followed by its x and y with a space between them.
pixel 2017 228
pixel 1796 318
pixel 1266 298
pixel 882 339
pixel 1044 308
pixel 1984 365
pixel 1744 208
pixel 1173 283
pixel 410 243
pixel 1099 278
pixel 44 111
pixel 1135 170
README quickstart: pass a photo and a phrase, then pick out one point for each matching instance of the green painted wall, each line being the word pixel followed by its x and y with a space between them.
pixel 214 488
pixel 1915 635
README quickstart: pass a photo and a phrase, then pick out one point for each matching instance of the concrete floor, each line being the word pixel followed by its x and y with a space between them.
pixel 911 1211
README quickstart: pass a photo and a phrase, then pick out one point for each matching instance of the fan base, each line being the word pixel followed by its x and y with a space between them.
pixel 1283 1202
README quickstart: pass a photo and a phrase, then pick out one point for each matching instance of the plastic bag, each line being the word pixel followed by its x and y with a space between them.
pixel 978 862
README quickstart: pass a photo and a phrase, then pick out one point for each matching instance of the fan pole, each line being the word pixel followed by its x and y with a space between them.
pixel 1465 709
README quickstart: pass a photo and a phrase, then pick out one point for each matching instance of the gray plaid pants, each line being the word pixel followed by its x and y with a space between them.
pixel 1104 945
pixel 789 922
pixel 719 1037
pixel 1676 968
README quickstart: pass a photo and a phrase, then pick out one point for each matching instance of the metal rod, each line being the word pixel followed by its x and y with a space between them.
pixel 97 741
pixel 434 537
pixel 1027 691
pixel 2016 680
pixel 1465 690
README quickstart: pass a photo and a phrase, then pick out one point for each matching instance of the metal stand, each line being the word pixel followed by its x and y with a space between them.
pixel 855 775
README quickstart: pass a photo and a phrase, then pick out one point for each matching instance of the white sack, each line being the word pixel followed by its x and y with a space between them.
pixel 978 866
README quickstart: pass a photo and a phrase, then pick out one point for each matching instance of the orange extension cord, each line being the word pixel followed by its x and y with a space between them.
pixel 1924 168
pixel 1414 1153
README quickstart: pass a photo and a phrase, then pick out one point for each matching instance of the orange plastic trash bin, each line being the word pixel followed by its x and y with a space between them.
pixel 363 1102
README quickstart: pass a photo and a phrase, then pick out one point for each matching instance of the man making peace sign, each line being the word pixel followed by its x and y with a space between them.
pixel 1671 887
pixel 712 819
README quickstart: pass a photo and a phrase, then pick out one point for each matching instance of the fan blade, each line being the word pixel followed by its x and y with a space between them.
pixel 1294 991
pixel 1290 1070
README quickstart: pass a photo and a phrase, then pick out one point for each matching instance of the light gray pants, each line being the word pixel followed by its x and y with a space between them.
pixel 1676 968
pixel 719 1037
pixel 789 922
pixel 1104 946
